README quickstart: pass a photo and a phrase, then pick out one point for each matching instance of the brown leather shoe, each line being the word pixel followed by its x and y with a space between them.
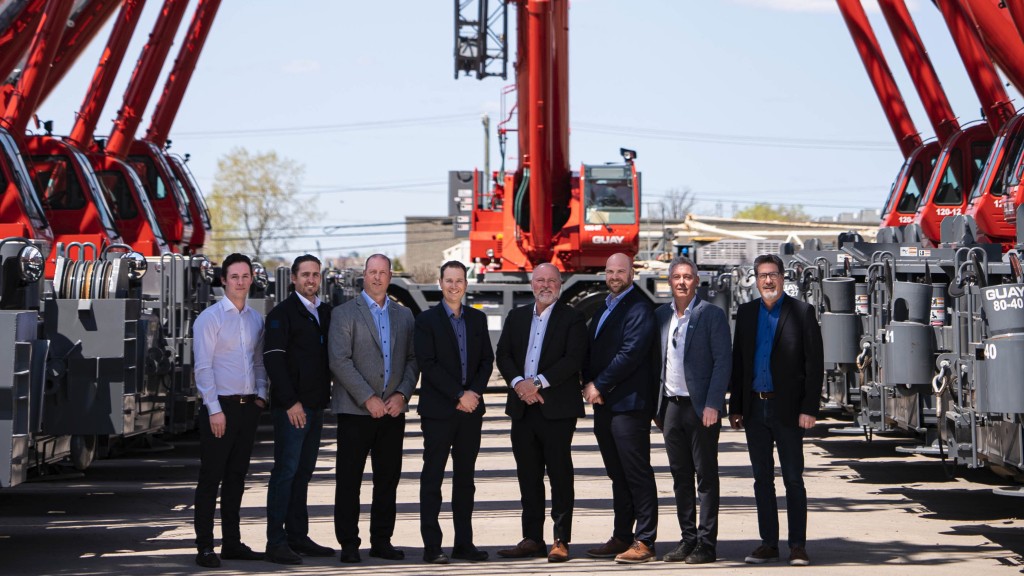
pixel 638 553
pixel 525 549
pixel 610 549
pixel 559 552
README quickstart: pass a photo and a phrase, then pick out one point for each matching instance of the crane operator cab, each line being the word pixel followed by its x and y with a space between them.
pixel 611 199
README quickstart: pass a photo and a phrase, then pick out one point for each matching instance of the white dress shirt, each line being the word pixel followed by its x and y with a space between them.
pixel 675 375
pixel 538 327
pixel 311 306
pixel 228 348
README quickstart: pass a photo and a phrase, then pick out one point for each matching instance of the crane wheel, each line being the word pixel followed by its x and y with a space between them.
pixel 83 451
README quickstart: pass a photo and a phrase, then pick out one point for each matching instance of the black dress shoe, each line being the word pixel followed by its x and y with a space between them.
pixel 702 555
pixel 386 551
pixel 435 556
pixel 207 559
pixel 680 553
pixel 282 554
pixel 469 552
pixel 307 547
pixel 239 552
pixel 350 555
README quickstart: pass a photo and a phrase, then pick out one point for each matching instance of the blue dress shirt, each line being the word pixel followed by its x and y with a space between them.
pixel 611 301
pixel 459 326
pixel 767 322
pixel 383 322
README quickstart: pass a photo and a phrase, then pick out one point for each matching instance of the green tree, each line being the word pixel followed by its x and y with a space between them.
pixel 254 204
pixel 780 213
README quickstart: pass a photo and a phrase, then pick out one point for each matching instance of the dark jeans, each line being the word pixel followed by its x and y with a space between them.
pixel 693 449
pixel 381 439
pixel 764 430
pixel 625 442
pixel 539 444
pixel 460 437
pixel 295 453
pixel 223 464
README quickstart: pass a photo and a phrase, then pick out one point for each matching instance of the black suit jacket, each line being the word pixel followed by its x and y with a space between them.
pixel 437 354
pixel 561 358
pixel 797 361
pixel 295 354
pixel 622 358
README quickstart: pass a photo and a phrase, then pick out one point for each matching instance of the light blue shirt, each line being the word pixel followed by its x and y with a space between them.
pixel 611 301
pixel 383 322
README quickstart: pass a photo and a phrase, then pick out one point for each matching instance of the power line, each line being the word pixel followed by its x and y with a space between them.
pixel 327 129
pixel 734 139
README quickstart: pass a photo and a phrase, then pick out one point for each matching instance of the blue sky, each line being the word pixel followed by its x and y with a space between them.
pixel 740 101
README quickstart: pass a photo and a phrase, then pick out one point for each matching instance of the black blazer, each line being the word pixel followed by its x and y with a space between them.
pixel 622 360
pixel 797 361
pixel 437 354
pixel 561 358
pixel 295 354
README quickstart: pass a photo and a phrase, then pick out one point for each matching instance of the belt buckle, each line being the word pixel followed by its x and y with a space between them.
pixel 242 399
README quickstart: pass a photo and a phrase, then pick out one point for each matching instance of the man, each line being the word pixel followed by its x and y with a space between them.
pixel 694 377
pixel 777 374
pixel 228 349
pixel 539 355
pixel 621 384
pixel 374 376
pixel 295 354
pixel 453 350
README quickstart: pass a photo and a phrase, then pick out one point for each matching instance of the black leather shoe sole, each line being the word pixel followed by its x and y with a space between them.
pixel 283 557
pixel 679 554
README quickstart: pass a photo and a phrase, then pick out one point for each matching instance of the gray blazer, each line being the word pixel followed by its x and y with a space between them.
pixel 357 360
pixel 707 355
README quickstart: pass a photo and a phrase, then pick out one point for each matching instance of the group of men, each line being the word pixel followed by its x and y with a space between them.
pixel 632 364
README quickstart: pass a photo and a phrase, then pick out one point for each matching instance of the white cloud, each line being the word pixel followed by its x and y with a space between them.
pixel 301 67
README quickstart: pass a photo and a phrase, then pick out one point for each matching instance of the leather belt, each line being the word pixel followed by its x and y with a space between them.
pixel 240 398
pixel 764 395
pixel 677 399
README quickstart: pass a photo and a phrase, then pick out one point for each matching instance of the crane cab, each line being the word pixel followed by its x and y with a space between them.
pixel 610 199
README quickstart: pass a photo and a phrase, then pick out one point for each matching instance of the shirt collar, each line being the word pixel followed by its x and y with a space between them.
pixel 774 309
pixel 314 304
pixel 372 303
pixel 611 301
pixel 227 305
pixel 546 313
pixel 689 307
pixel 448 311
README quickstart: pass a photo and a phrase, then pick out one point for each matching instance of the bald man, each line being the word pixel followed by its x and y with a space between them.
pixel 539 355
pixel 621 383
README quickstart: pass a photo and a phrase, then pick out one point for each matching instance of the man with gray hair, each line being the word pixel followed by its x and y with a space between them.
pixel 540 353
pixel 695 368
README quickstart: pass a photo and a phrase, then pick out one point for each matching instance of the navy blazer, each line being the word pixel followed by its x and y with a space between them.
pixel 622 357
pixel 797 361
pixel 707 355
pixel 437 354
pixel 561 357
pixel 295 354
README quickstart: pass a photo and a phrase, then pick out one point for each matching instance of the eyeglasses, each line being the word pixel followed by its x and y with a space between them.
pixel 675 336
pixel 767 275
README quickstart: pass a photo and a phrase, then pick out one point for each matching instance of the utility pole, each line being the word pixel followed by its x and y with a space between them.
pixel 486 121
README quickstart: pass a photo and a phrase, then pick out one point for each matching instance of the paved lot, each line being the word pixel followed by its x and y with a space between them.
pixel 870 510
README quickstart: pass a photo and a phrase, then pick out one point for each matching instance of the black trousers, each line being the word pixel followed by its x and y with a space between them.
pixel 223 464
pixel 381 439
pixel 625 442
pixel 539 444
pixel 460 437
pixel 693 450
